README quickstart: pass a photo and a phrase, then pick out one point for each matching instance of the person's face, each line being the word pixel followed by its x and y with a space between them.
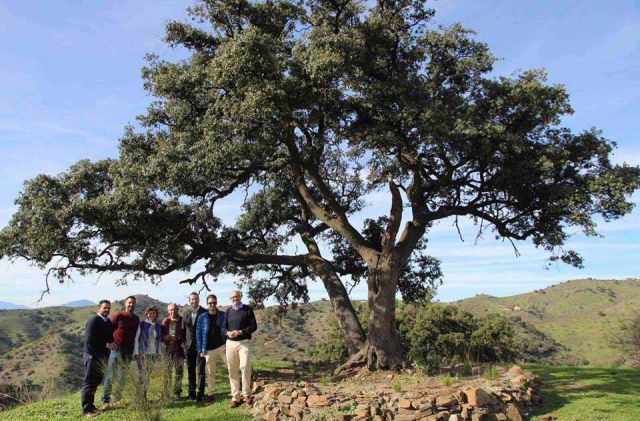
pixel 104 309
pixel 152 315
pixel 194 301
pixel 173 311
pixel 235 298
pixel 211 304
pixel 130 305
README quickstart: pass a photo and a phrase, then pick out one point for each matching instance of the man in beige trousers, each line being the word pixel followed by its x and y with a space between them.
pixel 239 324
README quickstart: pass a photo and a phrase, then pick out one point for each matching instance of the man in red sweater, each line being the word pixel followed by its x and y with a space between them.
pixel 125 323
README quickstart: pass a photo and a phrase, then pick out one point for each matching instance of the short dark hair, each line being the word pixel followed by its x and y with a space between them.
pixel 194 293
pixel 212 296
pixel 130 297
pixel 104 302
pixel 150 309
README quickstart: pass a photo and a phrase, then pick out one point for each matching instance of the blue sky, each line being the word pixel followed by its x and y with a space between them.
pixel 70 81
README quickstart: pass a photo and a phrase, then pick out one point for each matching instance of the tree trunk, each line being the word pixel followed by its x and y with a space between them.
pixel 382 349
pixel 342 307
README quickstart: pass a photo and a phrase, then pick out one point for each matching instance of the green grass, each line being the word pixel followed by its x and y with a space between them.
pixel 68 407
pixel 589 393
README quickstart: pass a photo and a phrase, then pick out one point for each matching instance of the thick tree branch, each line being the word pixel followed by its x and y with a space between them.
pixel 339 222
pixel 395 218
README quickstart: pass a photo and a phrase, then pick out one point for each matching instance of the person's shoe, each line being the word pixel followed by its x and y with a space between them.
pixel 90 414
pixel 192 397
pixel 178 398
pixel 234 404
pixel 105 406
pixel 117 404
pixel 199 398
pixel 248 400
pixel 209 399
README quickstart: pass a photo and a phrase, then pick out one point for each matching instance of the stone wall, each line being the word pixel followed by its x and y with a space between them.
pixel 507 398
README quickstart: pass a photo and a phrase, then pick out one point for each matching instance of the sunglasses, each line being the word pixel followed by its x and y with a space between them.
pixel 211 303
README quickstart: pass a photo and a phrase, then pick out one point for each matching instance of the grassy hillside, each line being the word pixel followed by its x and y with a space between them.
pixel 579 314
pixel 66 406
pixel 40 346
pixel 44 347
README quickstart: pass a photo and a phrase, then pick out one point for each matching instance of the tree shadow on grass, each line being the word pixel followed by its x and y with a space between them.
pixel 562 385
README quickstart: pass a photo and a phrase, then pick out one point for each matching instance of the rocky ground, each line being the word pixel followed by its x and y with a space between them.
pixel 509 396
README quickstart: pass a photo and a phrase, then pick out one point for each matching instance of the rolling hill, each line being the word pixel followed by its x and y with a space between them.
pixel 39 346
pixel 579 314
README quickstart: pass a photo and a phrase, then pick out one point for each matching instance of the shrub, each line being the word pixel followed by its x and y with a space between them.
pixel 627 339
pixel 491 373
pixel 333 349
pixel 436 333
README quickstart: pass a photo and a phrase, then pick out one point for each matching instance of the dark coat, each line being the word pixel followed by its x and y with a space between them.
pixel 190 329
pixel 98 333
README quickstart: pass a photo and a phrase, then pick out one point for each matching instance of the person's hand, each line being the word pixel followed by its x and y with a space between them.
pixel 202 355
pixel 137 357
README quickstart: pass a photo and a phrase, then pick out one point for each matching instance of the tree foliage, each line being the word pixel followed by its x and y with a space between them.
pixel 307 108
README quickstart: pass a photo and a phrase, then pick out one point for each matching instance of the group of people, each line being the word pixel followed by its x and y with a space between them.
pixel 199 336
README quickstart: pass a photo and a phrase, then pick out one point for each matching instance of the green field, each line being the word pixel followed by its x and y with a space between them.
pixel 589 393
pixel 571 393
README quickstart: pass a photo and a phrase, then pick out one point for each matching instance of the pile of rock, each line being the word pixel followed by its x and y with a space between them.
pixel 507 398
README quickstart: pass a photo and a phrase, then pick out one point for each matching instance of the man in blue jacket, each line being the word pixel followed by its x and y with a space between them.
pixel 210 342
pixel 98 333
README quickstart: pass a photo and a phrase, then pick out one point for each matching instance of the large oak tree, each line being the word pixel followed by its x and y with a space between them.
pixel 307 108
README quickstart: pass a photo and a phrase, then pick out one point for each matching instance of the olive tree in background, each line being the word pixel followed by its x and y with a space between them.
pixel 305 108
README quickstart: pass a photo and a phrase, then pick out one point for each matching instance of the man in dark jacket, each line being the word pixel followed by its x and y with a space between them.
pixel 210 342
pixel 98 333
pixel 194 361
pixel 239 325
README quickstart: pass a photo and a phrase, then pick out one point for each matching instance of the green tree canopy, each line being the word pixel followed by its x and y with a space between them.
pixel 308 107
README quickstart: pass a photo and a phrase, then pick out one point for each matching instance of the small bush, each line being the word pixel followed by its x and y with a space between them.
pixel 491 373
pixel 325 380
pixel 447 380
pixel 397 387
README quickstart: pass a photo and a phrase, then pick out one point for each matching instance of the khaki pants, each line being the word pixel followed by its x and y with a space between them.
pixel 239 363
pixel 211 361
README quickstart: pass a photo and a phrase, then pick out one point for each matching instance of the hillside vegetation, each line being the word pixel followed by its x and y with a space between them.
pixel 42 347
pixel 579 314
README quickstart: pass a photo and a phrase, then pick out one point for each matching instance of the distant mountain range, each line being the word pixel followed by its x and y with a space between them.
pixel 5 305
pixel 79 303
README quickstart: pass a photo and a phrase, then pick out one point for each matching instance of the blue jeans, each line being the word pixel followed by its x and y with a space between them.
pixel 116 367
